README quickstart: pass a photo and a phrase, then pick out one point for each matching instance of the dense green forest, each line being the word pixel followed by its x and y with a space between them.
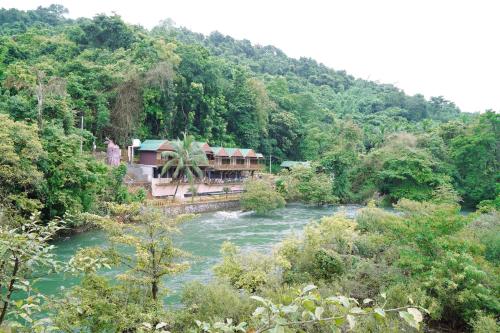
pixel 368 143
pixel 128 82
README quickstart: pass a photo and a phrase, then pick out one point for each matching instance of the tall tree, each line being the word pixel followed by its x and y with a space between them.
pixel 476 156
pixel 186 160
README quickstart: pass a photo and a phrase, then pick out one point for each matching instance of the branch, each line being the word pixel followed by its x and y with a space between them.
pixel 310 321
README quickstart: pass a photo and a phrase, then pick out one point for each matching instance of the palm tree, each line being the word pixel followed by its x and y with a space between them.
pixel 187 158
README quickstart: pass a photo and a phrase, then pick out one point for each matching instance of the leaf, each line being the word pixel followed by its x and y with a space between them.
pixel 318 312
pixel 241 327
pixel 339 299
pixel 417 315
pixel 289 308
pixel 408 317
pixel 339 321
pixel 357 310
pixel 259 299
pixel 367 300
pixel 379 312
pixel 259 311
pixel 277 329
pixel 352 321
pixel 384 295
pixel 160 325
pixel 309 305
pixel 308 288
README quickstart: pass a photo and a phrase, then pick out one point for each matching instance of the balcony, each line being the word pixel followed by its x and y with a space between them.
pixel 222 167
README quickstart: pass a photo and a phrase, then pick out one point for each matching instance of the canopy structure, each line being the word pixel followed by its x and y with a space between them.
pixel 156 145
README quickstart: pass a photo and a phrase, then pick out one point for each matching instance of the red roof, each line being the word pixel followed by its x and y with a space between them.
pixel 166 146
pixel 219 151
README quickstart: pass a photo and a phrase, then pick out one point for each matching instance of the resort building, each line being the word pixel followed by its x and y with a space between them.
pixel 225 167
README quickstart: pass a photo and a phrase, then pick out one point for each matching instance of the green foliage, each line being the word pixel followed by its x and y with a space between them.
pixel 128 82
pixel 475 154
pixel 399 169
pixel 261 197
pixel 24 253
pixel 143 245
pixel 309 311
pixel 248 272
pixel 20 179
pixel 74 180
pixel 485 324
pixel 427 251
pixel 214 301
pixel 306 185
pixel 321 255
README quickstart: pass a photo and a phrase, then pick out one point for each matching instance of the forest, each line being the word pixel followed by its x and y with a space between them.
pixel 68 84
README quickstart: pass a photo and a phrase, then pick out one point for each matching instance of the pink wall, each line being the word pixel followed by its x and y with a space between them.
pixel 158 190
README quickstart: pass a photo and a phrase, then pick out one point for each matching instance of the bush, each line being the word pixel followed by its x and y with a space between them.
pixel 327 264
pixel 244 271
pixel 306 185
pixel 371 245
pixel 261 197
pixel 214 301
pixel 485 324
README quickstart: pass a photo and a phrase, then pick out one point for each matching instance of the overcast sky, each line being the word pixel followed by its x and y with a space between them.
pixel 439 47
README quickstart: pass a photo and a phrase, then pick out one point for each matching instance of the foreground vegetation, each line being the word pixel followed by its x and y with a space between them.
pixel 424 265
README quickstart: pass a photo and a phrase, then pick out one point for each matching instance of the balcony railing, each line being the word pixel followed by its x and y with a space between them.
pixel 223 167
pixel 219 166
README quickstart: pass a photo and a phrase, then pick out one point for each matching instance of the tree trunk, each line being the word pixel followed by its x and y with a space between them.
pixel 6 302
pixel 176 187
pixel 154 290
pixel 40 107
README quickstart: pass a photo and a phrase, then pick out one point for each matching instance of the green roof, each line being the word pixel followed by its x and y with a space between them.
pixel 292 164
pixel 151 145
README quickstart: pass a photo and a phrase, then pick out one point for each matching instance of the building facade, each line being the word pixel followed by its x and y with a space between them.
pixel 226 167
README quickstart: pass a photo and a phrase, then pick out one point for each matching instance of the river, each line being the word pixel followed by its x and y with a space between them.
pixel 202 237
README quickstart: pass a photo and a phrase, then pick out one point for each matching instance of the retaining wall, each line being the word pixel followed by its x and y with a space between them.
pixel 200 207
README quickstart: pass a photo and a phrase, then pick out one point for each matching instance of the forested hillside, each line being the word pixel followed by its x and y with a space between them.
pixel 128 82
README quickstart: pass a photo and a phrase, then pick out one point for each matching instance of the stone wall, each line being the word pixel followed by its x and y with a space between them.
pixel 200 207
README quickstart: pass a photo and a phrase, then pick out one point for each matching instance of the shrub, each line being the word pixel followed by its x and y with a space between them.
pixel 261 197
pixel 213 301
pixel 244 271
pixel 327 264
pixel 485 324
pixel 370 245
pixel 307 185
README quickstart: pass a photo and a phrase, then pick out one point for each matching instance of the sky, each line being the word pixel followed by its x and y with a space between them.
pixel 447 48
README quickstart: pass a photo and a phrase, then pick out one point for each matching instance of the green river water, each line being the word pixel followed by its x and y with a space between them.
pixel 202 237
